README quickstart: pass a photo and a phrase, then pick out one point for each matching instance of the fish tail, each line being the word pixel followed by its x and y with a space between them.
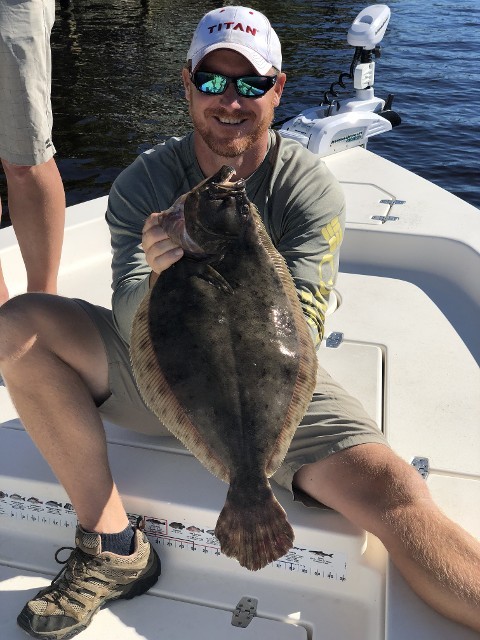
pixel 253 528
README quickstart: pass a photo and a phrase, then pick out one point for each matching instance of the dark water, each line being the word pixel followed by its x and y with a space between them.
pixel 116 81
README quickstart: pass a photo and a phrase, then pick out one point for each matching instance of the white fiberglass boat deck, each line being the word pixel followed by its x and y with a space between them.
pixel 400 354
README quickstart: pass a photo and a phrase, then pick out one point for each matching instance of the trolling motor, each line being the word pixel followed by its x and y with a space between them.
pixel 340 124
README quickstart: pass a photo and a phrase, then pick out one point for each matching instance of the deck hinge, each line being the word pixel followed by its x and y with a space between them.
pixel 334 340
pixel 387 218
pixel 422 465
pixel 245 611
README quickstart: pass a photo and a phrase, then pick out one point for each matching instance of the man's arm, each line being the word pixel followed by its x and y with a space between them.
pixel 310 233
pixel 139 245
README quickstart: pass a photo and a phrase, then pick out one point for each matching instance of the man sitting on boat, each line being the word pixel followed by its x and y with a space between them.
pixel 66 362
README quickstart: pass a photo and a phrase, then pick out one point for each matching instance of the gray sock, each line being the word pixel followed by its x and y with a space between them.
pixel 120 543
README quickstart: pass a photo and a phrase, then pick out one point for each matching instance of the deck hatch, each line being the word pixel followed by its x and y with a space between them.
pixel 358 367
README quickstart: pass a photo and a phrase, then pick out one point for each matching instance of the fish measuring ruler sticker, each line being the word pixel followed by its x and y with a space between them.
pixel 185 536
pixel 28 509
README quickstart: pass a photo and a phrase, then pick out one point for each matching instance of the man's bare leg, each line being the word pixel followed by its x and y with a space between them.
pixel 36 199
pixel 54 364
pixel 378 491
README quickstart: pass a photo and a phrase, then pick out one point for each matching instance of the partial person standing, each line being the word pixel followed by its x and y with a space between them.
pixel 36 196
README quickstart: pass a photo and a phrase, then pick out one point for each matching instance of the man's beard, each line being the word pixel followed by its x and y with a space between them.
pixel 230 147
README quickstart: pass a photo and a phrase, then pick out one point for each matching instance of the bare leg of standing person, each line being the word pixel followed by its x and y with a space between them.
pixel 36 200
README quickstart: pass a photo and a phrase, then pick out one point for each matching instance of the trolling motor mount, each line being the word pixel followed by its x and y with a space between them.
pixel 339 124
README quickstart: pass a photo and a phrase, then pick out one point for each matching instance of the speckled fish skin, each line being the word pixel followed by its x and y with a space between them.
pixel 223 356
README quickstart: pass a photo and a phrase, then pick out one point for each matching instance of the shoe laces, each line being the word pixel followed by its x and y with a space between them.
pixel 68 580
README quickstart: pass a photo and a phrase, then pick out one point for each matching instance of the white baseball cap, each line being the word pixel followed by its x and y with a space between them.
pixel 239 28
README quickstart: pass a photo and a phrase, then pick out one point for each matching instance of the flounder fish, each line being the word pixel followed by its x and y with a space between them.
pixel 223 356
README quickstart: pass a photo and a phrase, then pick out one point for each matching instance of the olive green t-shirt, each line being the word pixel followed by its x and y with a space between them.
pixel 299 201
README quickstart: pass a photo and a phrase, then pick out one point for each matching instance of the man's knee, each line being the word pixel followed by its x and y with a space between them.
pixel 369 484
pixel 54 331
pixel 390 491
pixel 17 328
pixel 19 174
pixel 16 171
pixel 400 487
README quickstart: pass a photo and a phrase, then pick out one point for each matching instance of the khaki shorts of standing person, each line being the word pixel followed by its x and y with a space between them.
pixel 25 81
pixel 334 421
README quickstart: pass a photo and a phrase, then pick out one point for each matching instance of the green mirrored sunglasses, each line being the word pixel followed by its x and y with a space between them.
pixel 246 86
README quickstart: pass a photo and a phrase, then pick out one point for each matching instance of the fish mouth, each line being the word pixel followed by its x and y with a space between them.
pixel 228 189
pixel 223 176
pixel 221 183
pixel 225 189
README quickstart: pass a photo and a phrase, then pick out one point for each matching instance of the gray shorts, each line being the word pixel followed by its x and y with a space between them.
pixel 334 420
pixel 25 81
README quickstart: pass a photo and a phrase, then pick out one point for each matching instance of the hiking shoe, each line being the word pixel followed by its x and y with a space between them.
pixel 89 579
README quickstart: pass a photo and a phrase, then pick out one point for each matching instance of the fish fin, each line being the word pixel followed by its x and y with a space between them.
pixel 193 268
pixel 307 369
pixel 211 275
pixel 158 397
pixel 253 529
